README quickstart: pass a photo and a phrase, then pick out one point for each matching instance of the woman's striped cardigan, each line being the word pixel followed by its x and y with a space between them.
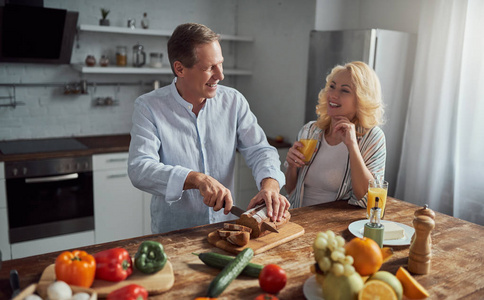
pixel 373 150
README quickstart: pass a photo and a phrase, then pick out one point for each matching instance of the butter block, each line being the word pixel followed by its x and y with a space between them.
pixel 393 232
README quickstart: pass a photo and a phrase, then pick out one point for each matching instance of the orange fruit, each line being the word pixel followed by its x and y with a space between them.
pixel 386 253
pixel 366 254
pixel 411 288
pixel 377 289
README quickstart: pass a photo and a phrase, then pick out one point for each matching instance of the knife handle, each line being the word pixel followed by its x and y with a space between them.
pixel 14 280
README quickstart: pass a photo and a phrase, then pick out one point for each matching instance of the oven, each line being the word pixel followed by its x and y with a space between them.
pixel 49 197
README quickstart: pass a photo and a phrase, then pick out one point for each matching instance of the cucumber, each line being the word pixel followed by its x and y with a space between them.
pixel 229 273
pixel 219 261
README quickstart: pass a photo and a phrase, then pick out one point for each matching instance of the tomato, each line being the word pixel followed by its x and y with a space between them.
pixel 272 278
pixel 266 297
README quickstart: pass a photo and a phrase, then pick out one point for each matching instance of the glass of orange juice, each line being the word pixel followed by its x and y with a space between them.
pixel 377 189
pixel 309 141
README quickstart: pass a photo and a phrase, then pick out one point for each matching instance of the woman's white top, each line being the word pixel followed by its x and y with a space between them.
pixel 325 174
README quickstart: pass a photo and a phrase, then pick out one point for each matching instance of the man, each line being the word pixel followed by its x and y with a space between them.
pixel 185 136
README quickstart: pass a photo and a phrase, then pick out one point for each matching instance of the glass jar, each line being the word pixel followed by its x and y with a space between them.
pixel 121 56
pixel 104 61
pixel 90 61
pixel 139 56
pixel 155 59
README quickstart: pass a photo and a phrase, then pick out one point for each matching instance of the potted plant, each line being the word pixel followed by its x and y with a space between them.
pixel 104 14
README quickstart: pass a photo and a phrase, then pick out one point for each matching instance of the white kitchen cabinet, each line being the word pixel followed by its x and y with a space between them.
pixel 146 70
pixel 118 205
pixel 51 244
pixel 4 241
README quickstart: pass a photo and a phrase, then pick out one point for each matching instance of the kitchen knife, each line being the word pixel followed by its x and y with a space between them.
pixel 14 283
pixel 236 211
pixel 239 211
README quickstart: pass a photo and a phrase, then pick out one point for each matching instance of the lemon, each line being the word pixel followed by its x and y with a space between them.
pixel 376 289
pixel 391 280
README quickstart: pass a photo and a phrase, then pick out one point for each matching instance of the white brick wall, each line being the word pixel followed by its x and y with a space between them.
pixel 49 113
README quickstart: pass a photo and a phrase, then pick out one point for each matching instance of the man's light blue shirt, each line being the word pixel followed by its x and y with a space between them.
pixel 168 141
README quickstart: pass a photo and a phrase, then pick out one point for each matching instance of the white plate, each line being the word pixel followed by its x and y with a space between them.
pixel 312 290
pixel 356 228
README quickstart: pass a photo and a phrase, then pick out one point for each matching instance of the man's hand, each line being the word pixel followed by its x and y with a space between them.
pixel 213 192
pixel 276 203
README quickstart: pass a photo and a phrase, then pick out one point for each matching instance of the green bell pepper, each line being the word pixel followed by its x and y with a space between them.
pixel 150 257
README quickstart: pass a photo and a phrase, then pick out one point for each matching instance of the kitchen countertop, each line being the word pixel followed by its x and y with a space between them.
pixel 96 145
pixel 456 265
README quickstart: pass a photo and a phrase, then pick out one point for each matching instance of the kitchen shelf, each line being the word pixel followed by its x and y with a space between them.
pixel 151 71
pixel 153 32
pixel 80 67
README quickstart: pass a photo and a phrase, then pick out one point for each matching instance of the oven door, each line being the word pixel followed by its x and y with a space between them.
pixel 49 206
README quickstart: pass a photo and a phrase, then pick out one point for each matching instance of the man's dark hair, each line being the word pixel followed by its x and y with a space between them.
pixel 185 39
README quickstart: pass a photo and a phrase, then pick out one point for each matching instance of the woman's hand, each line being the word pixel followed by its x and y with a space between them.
pixel 294 157
pixel 345 130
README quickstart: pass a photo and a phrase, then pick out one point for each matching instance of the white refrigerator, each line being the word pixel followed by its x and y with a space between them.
pixel 391 54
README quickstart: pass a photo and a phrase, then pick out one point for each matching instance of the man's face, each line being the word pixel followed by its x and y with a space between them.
pixel 200 81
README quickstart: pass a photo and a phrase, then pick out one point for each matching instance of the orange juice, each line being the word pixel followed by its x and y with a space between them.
pixel 308 149
pixel 374 192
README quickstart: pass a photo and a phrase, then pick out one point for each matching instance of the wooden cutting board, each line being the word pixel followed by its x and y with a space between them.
pixel 155 283
pixel 287 233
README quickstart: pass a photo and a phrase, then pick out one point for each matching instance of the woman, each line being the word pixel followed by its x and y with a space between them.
pixel 350 147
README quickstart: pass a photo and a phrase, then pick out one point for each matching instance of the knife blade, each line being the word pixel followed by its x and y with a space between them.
pixel 236 211
pixel 239 211
pixel 14 283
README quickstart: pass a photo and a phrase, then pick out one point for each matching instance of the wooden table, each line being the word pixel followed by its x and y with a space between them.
pixel 457 255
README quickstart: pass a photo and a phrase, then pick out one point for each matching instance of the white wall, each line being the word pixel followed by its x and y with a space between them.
pixel 337 14
pixel 399 15
pixel 278 59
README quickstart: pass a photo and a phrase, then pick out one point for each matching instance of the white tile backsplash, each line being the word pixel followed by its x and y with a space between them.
pixel 49 113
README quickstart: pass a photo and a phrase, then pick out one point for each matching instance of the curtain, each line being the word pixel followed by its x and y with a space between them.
pixel 442 162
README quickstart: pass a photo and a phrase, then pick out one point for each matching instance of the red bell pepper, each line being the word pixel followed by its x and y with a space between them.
pixel 113 264
pixel 129 292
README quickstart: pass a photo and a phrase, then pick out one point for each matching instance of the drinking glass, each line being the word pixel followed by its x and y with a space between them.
pixel 309 139
pixel 377 189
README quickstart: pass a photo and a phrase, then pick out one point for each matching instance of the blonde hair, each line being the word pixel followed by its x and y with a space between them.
pixel 369 105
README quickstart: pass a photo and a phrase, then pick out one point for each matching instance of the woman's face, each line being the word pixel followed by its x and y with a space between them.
pixel 342 96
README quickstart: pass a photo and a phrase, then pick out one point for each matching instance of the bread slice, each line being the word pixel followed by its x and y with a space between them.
pixel 255 217
pixel 226 233
pixel 241 238
pixel 236 227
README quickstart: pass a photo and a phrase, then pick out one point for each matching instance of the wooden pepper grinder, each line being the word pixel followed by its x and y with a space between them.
pixel 424 211
pixel 420 248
